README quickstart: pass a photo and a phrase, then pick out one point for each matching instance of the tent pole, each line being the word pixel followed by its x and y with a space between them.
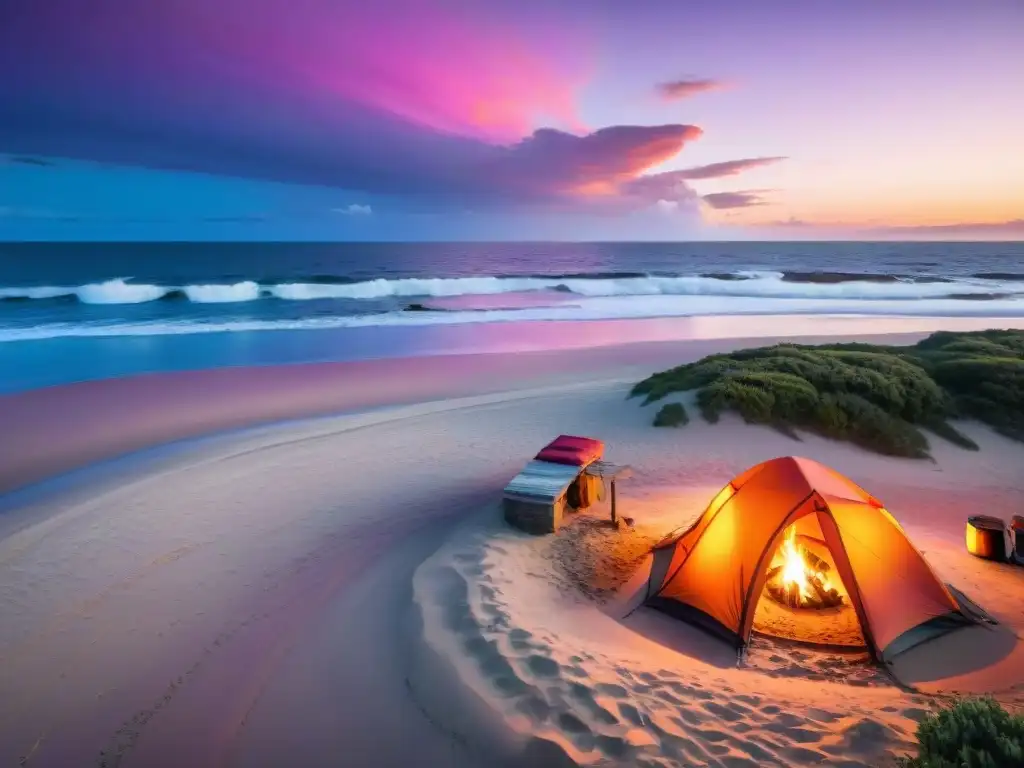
pixel 613 500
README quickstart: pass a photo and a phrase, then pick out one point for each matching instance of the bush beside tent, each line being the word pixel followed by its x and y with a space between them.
pixel 970 733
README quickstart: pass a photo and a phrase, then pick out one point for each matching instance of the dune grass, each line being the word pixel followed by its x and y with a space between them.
pixel 878 397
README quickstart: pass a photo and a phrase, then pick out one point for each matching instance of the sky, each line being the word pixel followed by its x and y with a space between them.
pixel 529 119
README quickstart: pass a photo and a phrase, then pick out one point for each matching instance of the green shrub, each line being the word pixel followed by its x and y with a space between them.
pixel 990 389
pixel 672 415
pixel 873 428
pixel 875 396
pixel 971 733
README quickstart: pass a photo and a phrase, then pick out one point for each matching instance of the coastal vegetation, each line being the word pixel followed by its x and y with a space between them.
pixel 672 415
pixel 970 733
pixel 878 397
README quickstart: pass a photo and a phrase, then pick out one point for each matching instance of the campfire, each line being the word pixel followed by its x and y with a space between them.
pixel 798 578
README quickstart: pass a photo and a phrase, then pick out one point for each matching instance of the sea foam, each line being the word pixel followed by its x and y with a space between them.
pixel 1010 312
pixel 739 284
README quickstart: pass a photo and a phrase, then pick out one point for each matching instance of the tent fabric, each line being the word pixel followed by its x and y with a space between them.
pixel 571 450
pixel 713 574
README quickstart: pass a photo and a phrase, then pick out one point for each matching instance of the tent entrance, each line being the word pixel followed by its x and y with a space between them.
pixel 804 598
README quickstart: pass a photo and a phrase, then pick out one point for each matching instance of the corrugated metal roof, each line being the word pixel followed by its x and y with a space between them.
pixel 543 480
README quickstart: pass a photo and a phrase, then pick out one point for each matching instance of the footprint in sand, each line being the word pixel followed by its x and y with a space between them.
pixel 690 692
pixel 630 713
pixel 822 715
pixel 666 696
pixel 725 713
pixel 542 666
pixel 585 697
pixel 519 639
pixel 668 729
pixel 510 686
pixel 535 708
pixel 732 761
pixel 798 735
pixel 569 723
pixel 758 753
pixel 788 720
pixel 692 717
pixel 804 756
pixel 613 747
pixel 674 746
pixel 713 736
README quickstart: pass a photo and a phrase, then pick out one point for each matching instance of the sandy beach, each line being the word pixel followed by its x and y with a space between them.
pixel 511 384
pixel 196 571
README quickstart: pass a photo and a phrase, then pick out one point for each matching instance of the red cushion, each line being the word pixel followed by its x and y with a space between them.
pixel 576 451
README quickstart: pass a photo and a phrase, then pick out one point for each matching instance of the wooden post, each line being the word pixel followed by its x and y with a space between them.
pixel 613 500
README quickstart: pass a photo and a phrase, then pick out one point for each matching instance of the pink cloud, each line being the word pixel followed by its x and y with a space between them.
pixel 727 168
pixel 741 199
pixel 604 163
pixel 673 186
pixel 442 102
pixel 444 66
pixel 1009 228
pixel 684 89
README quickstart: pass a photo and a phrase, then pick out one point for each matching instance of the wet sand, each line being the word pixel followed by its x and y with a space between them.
pixel 61 428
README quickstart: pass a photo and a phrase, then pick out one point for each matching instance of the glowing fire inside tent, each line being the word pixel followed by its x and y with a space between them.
pixel 799 578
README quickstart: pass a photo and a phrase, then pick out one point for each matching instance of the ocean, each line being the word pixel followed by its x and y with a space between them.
pixel 70 312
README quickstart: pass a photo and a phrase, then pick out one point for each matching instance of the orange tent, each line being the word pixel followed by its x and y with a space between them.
pixel 713 574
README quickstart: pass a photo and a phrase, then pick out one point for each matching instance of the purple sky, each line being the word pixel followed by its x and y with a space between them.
pixel 452 118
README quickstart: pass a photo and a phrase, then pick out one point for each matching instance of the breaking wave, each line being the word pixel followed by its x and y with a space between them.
pixel 597 308
pixel 780 285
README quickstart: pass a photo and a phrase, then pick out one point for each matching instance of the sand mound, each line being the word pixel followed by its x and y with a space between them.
pixel 599 560
pixel 527 641
pixel 597 557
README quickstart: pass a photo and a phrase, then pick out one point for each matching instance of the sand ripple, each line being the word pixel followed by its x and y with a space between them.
pixel 557 668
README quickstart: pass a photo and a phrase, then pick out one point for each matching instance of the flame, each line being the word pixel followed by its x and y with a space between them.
pixel 795 569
